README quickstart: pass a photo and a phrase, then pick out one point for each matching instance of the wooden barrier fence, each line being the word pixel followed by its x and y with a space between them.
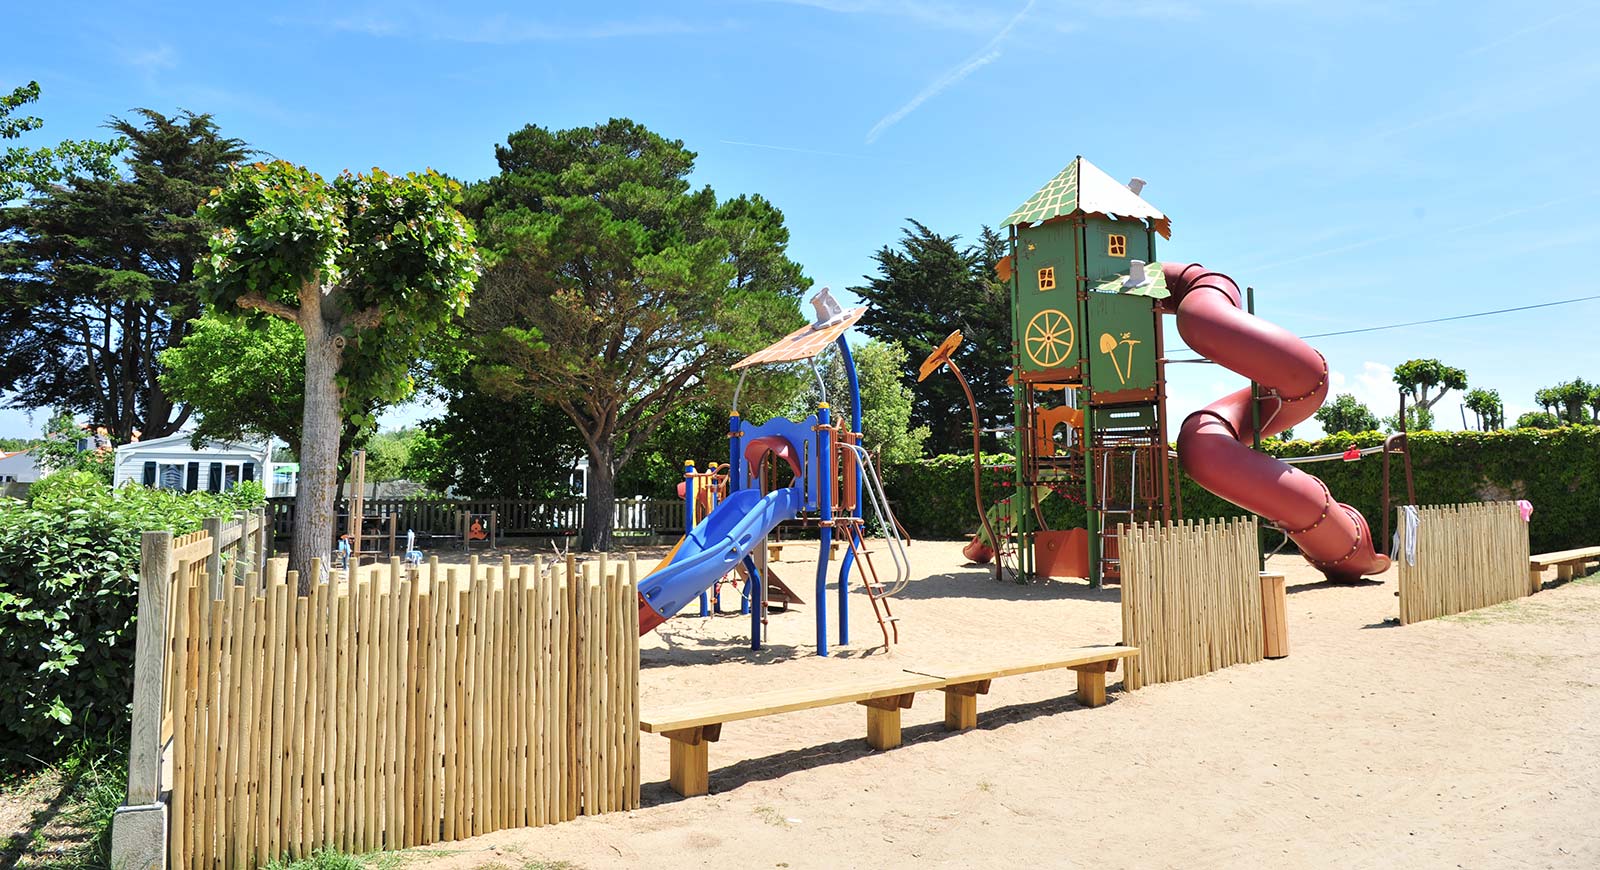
pixel 1191 598
pixel 404 707
pixel 516 516
pixel 1461 557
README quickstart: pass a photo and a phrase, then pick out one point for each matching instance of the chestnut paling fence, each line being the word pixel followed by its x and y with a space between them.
pixel 398 707
pixel 1460 557
pixel 1191 598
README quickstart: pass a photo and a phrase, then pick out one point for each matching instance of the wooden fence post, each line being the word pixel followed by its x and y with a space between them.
pixel 139 827
pixel 149 667
pixel 213 527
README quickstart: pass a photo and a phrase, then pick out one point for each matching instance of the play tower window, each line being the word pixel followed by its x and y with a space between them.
pixel 1047 278
pixel 1116 246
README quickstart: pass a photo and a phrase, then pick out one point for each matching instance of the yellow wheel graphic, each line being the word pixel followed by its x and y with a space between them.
pixel 1048 338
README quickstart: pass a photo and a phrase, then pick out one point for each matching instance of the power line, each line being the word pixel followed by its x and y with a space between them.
pixel 1441 319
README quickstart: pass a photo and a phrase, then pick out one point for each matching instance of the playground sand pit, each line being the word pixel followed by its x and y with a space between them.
pixel 1471 740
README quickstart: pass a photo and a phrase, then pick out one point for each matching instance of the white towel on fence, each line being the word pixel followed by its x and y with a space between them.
pixel 1410 520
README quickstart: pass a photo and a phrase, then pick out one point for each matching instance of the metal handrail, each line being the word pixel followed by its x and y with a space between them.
pixel 891 535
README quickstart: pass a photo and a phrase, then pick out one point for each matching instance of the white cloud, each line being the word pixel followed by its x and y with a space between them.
pixel 985 56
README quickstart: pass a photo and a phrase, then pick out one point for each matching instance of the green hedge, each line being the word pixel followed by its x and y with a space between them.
pixel 69 568
pixel 1558 470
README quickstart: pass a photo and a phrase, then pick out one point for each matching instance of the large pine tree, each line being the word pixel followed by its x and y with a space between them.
pixel 97 277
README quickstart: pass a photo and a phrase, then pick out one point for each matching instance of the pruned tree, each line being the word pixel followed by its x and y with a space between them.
pixel 1487 407
pixel 617 292
pixel 1538 420
pixel 367 266
pixel 245 380
pixel 1568 400
pixel 925 286
pixel 1346 413
pixel 1419 378
pixel 97 277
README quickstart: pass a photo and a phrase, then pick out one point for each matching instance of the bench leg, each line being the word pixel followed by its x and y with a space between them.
pixel 961 705
pixel 1564 572
pixel 1535 580
pixel 689 771
pixel 1091 685
pixel 883 720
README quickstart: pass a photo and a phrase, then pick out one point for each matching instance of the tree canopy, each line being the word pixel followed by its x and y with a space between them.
pixel 367 266
pixel 97 277
pixel 1488 408
pixel 616 291
pixel 926 286
pixel 1346 414
pixel 886 402
pixel 1571 401
pixel 24 169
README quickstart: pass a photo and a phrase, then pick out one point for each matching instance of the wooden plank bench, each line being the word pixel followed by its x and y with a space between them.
pixel 692 727
pixel 1566 562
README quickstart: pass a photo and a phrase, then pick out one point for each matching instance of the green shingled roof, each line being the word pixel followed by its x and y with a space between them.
pixel 1084 187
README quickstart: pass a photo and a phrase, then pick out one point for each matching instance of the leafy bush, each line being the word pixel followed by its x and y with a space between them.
pixel 69 565
pixel 1558 470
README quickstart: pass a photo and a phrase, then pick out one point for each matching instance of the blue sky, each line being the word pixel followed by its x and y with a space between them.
pixel 1360 163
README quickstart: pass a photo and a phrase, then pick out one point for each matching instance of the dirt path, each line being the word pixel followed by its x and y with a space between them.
pixel 1470 741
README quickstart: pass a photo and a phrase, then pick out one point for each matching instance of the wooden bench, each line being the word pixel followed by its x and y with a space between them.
pixel 692 727
pixel 775 550
pixel 1566 562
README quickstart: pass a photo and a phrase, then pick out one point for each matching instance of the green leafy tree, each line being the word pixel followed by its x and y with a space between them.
pixel 97 277
pixel 1568 400
pixel 886 402
pixel 1488 408
pixel 1419 378
pixel 244 381
pixel 619 293
pixel 1538 420
pixel 24 169
pixel 368 267
pixel 925 287
pixel 1593 401
pixel 1346 414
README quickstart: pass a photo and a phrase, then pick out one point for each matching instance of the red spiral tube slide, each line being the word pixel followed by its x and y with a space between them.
pixel 1213 444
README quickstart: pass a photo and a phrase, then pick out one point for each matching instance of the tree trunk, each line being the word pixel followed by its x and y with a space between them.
pixel 599 504
pixel 319 450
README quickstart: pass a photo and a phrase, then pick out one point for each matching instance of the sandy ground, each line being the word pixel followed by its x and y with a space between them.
pixel 1469 741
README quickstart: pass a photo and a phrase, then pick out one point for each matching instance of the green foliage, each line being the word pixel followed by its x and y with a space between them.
pixel 1419 377
pixel 97 276
pixel 1538 420
pixel 886 401
pixel 24 169
pixel 1490 411
pixel 617 292
pixel 392 256
pixel 932 498
pixel 59 450
pixel 370 267
pixel 1570 400
pixel 389 454
pixel 925 287
pixel 242 381
pixel 69 563
pixel 1345 413
pixel 72 831
pixel 1557 470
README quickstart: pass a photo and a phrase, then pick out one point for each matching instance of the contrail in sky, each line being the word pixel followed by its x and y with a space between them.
pixel 985 56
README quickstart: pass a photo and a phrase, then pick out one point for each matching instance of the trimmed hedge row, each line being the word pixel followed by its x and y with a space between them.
pixel 1558 470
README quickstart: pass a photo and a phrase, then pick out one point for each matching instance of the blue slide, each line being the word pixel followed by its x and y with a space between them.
pixel 712 549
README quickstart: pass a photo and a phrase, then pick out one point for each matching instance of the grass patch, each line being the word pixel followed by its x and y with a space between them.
pixel 67 811
pixel 333 859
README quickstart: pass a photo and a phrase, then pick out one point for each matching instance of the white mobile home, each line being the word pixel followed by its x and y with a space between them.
pixel 18 467
pixel 173 463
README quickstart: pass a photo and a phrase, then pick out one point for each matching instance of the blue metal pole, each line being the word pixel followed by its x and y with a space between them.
pixel 736 475
pixel 824 481
pixel 855 511
pixel 688 522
